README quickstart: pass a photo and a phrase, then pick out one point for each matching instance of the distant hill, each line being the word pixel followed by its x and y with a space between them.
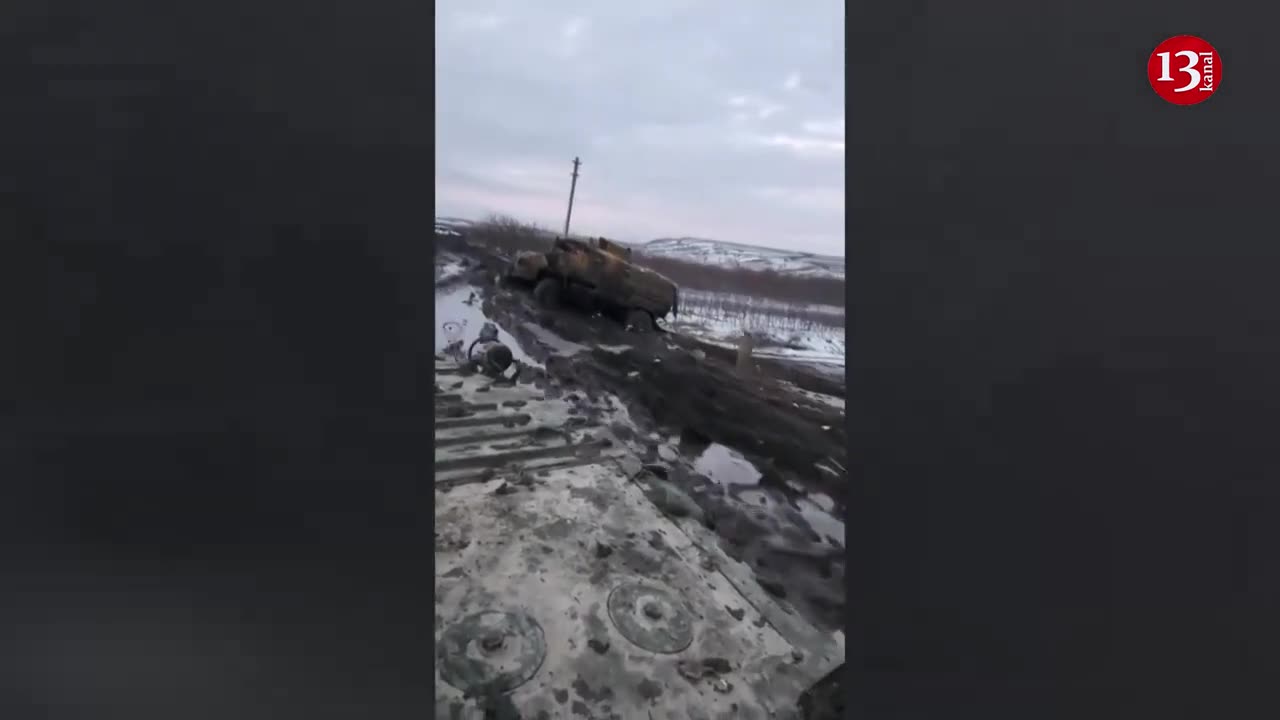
pixel 711 252
pixel 452 225
pixel 751 257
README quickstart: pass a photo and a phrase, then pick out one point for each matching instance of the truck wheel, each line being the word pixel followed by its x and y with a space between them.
pixel 547 293
pixel 640 321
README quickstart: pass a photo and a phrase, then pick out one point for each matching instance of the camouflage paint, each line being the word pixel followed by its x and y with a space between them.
pixel 604 266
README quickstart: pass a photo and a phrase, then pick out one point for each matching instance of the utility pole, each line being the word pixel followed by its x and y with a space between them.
pixel 573 184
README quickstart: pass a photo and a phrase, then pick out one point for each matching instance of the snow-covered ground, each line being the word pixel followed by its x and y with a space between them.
pixel 448 267
pixel 749 257
pixel 835 402
pixel 451 226
pixel 810 333
pixel 459 317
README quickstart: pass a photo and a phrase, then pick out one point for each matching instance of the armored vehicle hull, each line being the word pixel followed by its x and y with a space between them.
pixel 599 274
pixel 562 591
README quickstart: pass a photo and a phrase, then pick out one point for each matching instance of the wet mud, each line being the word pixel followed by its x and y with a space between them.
pixel 788 435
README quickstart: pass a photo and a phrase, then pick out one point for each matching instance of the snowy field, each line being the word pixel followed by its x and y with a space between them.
pixel 452 226
pixel 748 257
pixel 809 333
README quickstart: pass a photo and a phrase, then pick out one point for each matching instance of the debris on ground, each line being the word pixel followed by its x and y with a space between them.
pixel 712 669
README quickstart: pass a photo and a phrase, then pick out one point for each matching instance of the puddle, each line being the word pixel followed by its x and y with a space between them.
pixel 726 466
pixel 459 310
pixel 816 510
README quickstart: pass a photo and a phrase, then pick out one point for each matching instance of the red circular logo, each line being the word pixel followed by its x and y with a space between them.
pixel 1185 70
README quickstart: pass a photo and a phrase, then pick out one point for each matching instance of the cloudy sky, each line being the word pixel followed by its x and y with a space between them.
pixel 711 118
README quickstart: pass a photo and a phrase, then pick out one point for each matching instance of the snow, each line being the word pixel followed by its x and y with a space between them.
pixel 459 317
pixel 810 355
pixel 751 257
pixel 726 466
pixel 448 267
pixel 817 510
pixel 833 401
pixel 452 222
pixel 813 334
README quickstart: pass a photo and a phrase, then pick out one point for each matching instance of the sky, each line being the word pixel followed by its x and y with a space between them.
pixel 721 119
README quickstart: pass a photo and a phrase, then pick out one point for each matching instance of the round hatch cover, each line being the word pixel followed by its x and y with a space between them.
pixel 651 617
pixel 491 651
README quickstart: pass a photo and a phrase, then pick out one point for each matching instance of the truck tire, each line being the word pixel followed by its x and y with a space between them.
pixel 640 321
pixel 547 293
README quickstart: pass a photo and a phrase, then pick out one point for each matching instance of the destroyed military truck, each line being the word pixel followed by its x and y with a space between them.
pixel 598 275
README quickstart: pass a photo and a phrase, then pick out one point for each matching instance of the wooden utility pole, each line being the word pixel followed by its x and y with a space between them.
pixel 573 184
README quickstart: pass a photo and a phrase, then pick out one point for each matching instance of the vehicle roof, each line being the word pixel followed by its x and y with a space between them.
pixel 595 244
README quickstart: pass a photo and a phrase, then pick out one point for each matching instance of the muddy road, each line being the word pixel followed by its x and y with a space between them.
pixel 759 457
